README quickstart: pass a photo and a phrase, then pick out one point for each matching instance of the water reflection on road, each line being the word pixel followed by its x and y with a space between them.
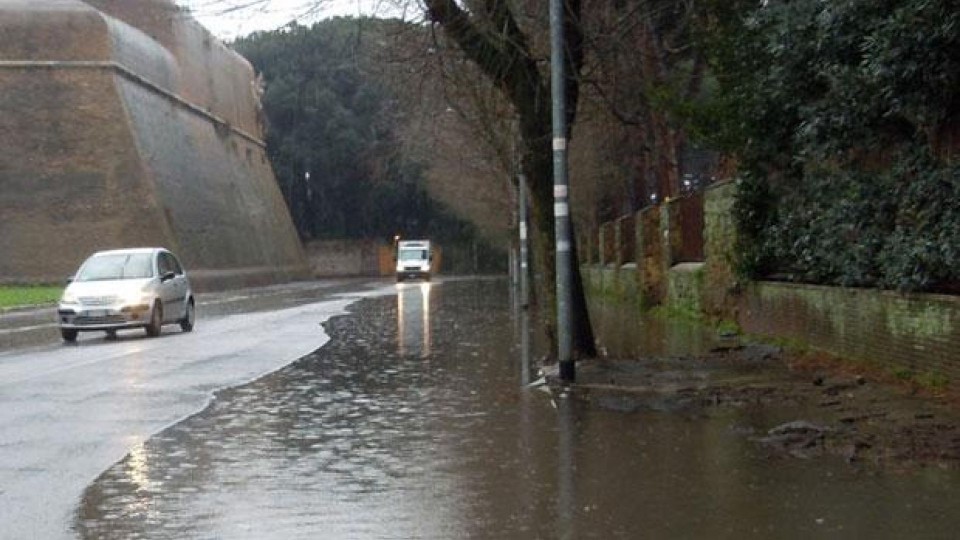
pixel 413 319
pixel 366 439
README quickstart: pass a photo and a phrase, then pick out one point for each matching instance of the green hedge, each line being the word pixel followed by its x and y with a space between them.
pixel 840 113
pixel 898 228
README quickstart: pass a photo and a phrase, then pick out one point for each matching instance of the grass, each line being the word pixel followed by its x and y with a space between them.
pixel 726 327
pixel 933 381
pixel 32 295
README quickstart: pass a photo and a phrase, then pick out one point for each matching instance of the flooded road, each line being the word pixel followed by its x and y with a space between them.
pixel 411 423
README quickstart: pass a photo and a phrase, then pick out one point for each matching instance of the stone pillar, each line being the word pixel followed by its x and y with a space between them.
pixel 720 238
pixel 650 255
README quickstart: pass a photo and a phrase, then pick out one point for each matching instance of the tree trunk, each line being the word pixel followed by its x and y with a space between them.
pixel 504 57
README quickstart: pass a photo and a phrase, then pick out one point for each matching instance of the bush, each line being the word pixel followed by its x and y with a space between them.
pixel 897 229
pixel 838 113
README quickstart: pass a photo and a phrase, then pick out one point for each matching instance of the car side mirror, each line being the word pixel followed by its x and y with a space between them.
pixel 69 279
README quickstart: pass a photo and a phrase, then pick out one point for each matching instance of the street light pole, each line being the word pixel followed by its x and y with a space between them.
pixel 524 246
pixel 561 202
pixel 305 208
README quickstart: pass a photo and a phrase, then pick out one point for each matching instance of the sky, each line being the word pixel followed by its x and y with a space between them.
pixel 228 19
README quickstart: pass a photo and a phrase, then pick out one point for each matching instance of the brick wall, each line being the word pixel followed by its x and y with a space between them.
pixel 67 190
pixel 210 75
pixel 686 228
pixel 919 333
pixel 111 140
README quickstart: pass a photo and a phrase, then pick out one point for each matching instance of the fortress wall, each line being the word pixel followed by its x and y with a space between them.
pixel 70 30
pixel 213 76
pixel 67 190
pixel 216 188
pixel 106 154
pixel 218 77
pixel 136 52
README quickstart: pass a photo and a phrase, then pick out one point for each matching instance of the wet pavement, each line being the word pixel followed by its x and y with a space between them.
pixel 67 412
pixel 37 326
pixel 411 422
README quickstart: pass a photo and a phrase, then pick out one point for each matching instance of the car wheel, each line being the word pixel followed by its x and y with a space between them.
pixel 68 335
pixel 186 323
pixel 156 320
pixel 111 335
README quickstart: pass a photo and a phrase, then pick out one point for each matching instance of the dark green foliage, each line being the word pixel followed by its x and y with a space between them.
pixel 923 250
pixel 325 118
pixel 754 211
pixel 329 116
pixel 837 111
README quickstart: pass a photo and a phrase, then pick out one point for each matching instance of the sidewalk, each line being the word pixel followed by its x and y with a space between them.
pixel 811 406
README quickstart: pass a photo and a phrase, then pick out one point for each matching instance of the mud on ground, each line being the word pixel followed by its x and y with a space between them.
pixel 816 406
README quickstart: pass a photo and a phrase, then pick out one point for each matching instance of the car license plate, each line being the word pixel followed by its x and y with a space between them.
pixel 97 313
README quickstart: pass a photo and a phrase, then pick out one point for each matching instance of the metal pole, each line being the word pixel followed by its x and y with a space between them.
pixel 561 203
pixel 524 244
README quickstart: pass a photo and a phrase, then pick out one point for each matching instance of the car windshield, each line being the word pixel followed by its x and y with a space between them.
pixel 413 254
pixel 117 266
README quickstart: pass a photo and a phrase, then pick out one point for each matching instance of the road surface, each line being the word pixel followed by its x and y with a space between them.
pixel 68 412
pixel 410 422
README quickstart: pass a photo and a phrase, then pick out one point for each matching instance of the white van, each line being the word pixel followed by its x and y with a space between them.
pixel 414 259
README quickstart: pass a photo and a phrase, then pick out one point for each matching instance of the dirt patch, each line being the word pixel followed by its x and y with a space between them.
pixel 813 405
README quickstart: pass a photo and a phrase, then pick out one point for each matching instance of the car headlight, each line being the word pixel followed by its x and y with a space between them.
pixel 68 298
pixel 138 298
pixel 425 267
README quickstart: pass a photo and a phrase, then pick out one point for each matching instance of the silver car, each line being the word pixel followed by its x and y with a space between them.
pixel 127 288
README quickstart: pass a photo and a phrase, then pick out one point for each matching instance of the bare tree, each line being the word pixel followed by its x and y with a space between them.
pixel 504 41
pixel 489 33
pixel 459 125
pixel 645 66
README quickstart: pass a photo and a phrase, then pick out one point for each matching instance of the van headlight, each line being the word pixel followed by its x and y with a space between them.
pixel 425 267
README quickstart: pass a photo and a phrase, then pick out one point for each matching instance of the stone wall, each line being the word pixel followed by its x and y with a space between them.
pixel 117 137
pixel 337 258
pixel 919 334
pixel 719 239
pixel 914 335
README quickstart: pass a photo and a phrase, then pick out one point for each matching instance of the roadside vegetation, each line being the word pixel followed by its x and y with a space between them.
pixel 844 117
pixel 32 295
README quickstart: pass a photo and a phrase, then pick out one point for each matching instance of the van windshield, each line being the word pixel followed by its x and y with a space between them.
pixel 413 254
pixel 117 266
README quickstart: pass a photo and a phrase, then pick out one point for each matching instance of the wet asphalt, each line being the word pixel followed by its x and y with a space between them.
pixel 68 412
pixel 410 422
